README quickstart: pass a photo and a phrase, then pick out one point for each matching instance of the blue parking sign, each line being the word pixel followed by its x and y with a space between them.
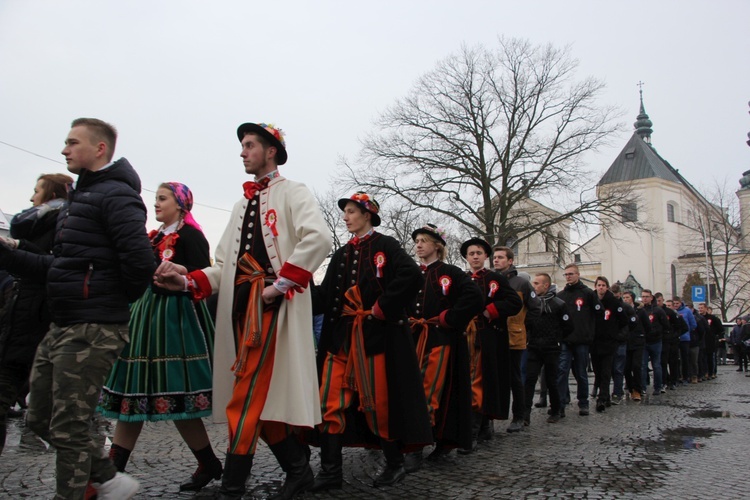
pixel 698 294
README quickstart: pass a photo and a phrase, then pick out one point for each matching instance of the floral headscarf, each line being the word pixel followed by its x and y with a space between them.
pixel 184 198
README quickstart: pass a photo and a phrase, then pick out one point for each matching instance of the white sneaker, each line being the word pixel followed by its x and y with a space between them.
pixel 120 487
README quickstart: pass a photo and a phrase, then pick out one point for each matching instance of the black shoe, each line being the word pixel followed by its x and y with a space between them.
pixel 562 412
pixel 583 412
pixel 439 452
pixel 553 419
pixel 460 451
pixel 486 430
pixel 390 476
pixel 540 404
pixel 293 458
pixel 394 465
pixel 200 478
pixel 516 425
pixel 600 407
pixel 236 470
pixel 331 474
pixel 413 461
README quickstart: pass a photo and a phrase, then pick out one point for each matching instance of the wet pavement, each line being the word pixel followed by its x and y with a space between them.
pixel 693 442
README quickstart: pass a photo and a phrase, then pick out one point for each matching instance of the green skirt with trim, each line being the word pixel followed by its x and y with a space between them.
pixel 164 373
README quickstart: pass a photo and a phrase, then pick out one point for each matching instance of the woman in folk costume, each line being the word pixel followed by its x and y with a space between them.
pixel 485 334
pixel 439 314
pixel 164 373
pixel 370 386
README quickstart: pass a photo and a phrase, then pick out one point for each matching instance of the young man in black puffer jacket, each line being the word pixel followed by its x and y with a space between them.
pixel 102 260
pixel 544 334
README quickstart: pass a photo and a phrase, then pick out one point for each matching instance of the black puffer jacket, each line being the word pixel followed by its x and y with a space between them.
pixel 102 258
pixel 27 317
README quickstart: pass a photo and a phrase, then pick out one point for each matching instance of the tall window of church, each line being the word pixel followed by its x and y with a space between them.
pixel 670 212
pixel 629 212
pixel 549 244
pixel 673 276
pixel 577 258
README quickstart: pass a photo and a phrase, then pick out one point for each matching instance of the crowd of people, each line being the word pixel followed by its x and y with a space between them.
pixel 411 354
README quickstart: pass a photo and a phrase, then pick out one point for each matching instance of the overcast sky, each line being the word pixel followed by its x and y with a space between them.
pixel 177 78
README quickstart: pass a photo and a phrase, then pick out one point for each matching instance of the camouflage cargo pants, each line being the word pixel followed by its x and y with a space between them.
pixel 69 370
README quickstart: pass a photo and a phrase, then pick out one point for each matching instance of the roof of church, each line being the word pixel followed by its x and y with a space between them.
pixel 638 160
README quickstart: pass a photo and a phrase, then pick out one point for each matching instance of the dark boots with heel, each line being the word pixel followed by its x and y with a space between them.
pixel 394 465
pixel 293 457
pixel 331 474
pixel 209 468
pixel 236 471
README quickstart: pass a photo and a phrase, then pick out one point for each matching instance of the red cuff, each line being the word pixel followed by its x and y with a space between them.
pixel 444 323
pixel 202 288
pixel 300 276
pixel 492 310
pixel 377 311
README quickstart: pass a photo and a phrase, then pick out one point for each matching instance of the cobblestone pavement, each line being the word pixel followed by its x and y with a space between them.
pixel 688 443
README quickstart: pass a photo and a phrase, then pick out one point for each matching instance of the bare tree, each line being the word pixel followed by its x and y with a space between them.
pixel 328 203
pixel 486 129
pixel 723 257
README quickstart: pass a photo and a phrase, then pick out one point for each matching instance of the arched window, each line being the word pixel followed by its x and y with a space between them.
pixel 670 212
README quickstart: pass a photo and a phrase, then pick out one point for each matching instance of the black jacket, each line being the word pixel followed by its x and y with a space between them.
pixel 677 325
pixel 610 320
pixel 583 303
pixel 716 332
pixel 547 330
pixel 660 326
pixel 102 258
pixel 27 317
pixel 640 325
pixel 697 336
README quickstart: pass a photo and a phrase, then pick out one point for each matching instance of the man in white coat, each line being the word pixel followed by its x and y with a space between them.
pixel 276 238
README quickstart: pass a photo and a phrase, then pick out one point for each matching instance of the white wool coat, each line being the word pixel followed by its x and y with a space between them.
pixel 303 242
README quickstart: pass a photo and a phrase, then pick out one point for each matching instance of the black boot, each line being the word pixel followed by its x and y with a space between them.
pixel 209 468
pixel 413 461
pixel 119 457
pixel 394 464
pixel 293 458
pixel 236 470
pixel 486 429
pixel 331 474
pixel 476 422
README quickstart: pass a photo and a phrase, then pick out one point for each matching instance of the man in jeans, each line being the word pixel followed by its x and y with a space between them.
pixel 582 303
pixel 102 261
pixel 652 349
pixel 687 315
pixel 618 363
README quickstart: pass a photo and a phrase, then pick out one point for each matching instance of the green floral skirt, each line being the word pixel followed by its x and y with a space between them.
pixel 164 373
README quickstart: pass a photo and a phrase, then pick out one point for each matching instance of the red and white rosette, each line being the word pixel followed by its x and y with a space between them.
pixel 579 303
pixel 493 288
pixel 379 264
pixel 167 254
pixel 445 284
pixel 271 222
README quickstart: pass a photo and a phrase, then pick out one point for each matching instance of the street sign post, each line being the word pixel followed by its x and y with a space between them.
pixel 698 295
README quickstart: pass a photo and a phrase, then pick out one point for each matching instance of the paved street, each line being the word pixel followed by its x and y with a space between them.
pixel 690 443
